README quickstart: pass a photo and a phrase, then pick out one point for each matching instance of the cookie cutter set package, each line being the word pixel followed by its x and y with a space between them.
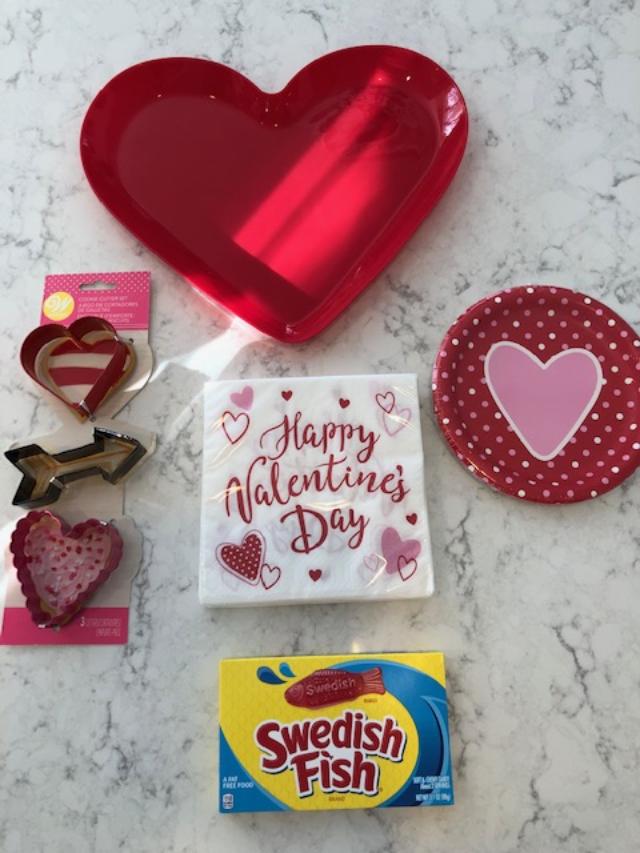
pixel 70 561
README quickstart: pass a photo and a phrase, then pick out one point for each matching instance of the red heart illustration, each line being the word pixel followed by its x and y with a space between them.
pixel 315 574
pixel 406 568
pixel 60 567
pixel 235 426
pixel 386 401
pixel 87 357
pixel 270 575
pixel 412 517
pixel 344 403
pixel 244 560
pixel 283 207
pixel 394 549
pixel 286 395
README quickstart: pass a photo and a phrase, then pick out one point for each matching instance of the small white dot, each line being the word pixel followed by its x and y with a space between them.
pixel 521 493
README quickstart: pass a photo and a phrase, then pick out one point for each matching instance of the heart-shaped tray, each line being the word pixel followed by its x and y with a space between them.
pixel 283 207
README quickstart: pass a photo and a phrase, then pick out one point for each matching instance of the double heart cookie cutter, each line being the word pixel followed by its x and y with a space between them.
pixel 60 358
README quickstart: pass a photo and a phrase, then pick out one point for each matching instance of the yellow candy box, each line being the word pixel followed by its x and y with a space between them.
pixel 334 732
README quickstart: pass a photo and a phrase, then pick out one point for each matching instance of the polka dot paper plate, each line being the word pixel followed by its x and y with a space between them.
pixel 536 391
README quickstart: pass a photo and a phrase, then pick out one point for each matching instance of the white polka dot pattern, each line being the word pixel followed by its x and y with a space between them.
pixel 245 560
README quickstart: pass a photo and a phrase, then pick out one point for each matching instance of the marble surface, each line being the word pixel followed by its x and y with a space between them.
pixel 109 749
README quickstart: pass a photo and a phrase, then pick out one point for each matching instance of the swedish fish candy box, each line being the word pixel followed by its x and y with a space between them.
pixel 334 732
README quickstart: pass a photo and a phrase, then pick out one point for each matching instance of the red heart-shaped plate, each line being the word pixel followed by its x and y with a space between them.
pixel 281 206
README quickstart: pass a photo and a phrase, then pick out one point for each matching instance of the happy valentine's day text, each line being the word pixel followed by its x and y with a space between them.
pixel 264 482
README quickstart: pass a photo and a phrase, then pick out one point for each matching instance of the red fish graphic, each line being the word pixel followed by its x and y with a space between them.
pixel 333 686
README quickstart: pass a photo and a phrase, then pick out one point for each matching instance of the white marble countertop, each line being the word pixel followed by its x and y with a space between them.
pixel 536 608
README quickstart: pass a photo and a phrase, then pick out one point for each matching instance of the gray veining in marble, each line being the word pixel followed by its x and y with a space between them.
pixel 536 609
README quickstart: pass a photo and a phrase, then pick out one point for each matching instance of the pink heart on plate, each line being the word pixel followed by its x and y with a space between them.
pixel 406 568
pixel 235 426
pixel 394 547
pixel 544 403
pixel 243 399
pixel 60 567
pixel 270 575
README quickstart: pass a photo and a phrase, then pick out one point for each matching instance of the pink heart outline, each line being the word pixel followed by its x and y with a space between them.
pixel 406 568
pixel 243 399
pixel 232 425
pixel 518 380
pixel 399 418
pixel 388 405
pixel 374 562
pixel 273 574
